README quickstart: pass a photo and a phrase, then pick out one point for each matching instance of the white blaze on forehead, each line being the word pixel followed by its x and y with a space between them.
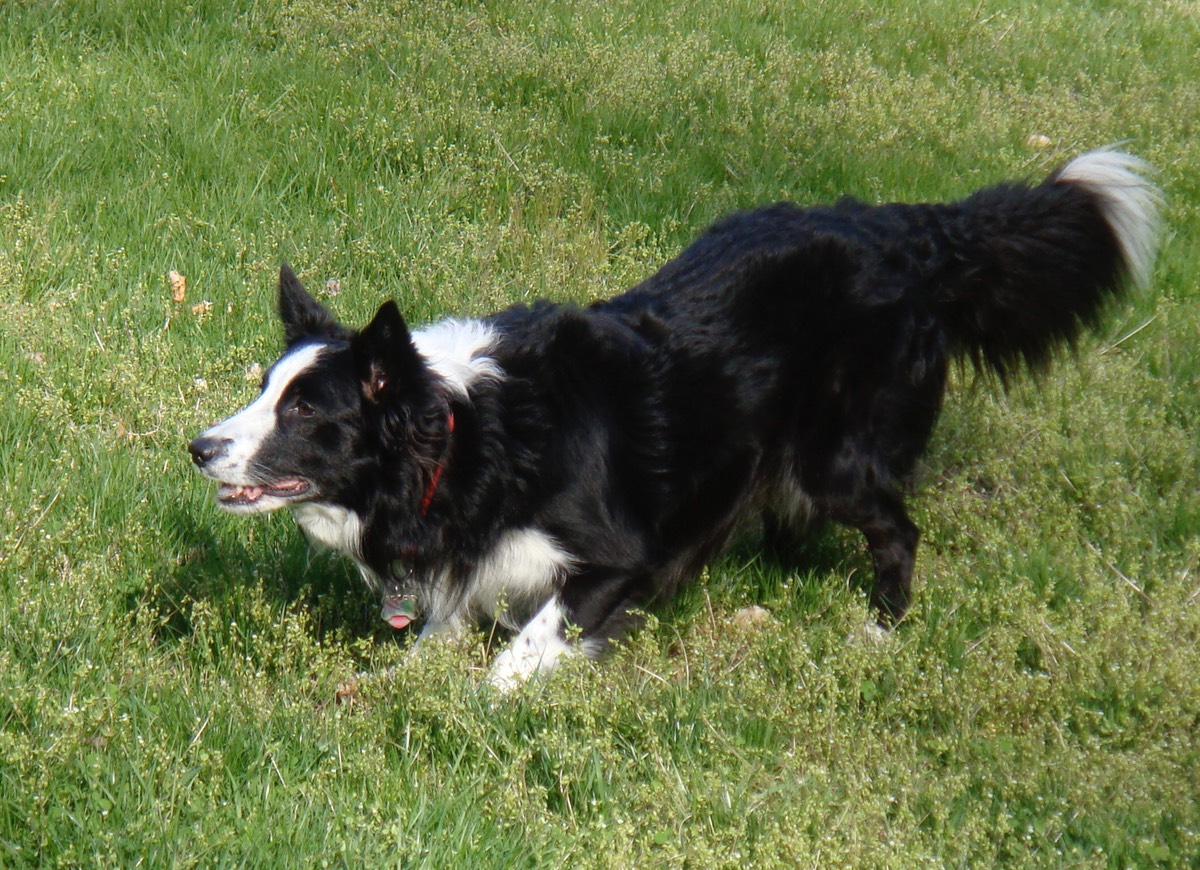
pixel 246 430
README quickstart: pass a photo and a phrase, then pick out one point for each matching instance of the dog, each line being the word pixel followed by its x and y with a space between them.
pixel 561 468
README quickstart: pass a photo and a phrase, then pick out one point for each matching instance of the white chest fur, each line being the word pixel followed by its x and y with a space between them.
pixel 512 580
pixel 330 526
pixel 523 567
pixel 519 572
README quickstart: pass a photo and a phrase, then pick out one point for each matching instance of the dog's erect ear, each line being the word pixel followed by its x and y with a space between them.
pixel 386 357
pixel 302 316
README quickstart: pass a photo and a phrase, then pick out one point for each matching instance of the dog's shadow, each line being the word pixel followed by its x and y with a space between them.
pixel 216 566
pixel 801 572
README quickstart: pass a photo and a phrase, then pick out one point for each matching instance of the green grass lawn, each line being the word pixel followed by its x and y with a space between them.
pixel 176 684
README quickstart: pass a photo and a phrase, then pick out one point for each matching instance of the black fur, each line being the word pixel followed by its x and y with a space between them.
pixel 791 361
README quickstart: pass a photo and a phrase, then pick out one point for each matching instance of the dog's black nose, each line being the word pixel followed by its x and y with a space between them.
pixel 204 450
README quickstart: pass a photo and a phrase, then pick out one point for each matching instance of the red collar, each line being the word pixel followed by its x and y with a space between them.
pixel 441 467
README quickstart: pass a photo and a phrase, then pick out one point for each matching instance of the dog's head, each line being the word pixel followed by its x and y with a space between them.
pixel 339 411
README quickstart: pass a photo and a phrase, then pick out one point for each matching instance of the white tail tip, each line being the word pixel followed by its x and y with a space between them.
pixel 1131 203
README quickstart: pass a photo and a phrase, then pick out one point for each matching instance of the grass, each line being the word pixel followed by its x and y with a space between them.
pixel 177 684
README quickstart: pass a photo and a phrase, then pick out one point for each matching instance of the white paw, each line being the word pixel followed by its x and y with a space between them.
pixel 870 633
pixel 516 665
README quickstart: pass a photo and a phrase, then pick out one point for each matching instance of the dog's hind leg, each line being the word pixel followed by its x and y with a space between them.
pixel 856 489
pixel 780 538
pixel 892 542
pixel 787 541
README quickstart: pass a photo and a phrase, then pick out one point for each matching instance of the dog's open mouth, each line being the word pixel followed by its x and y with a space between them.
pixel 244 495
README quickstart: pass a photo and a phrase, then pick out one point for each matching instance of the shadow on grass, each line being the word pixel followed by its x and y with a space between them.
pixel 800 574
pixel 211 565
pixel 215 566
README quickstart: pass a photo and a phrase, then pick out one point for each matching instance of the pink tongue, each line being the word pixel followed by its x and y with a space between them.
pixel 398 610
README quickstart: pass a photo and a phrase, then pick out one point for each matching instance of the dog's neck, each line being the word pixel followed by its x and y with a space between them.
pixel 436 479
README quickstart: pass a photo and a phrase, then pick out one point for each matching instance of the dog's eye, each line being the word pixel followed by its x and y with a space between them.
pixel 303 409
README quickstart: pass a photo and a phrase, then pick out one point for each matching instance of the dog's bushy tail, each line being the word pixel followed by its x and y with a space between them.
pixel 1034 266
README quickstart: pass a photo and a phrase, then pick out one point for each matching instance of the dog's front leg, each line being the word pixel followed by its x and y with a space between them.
pixel 537 649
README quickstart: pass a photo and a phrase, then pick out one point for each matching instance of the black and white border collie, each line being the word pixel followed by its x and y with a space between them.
pixel 560 468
